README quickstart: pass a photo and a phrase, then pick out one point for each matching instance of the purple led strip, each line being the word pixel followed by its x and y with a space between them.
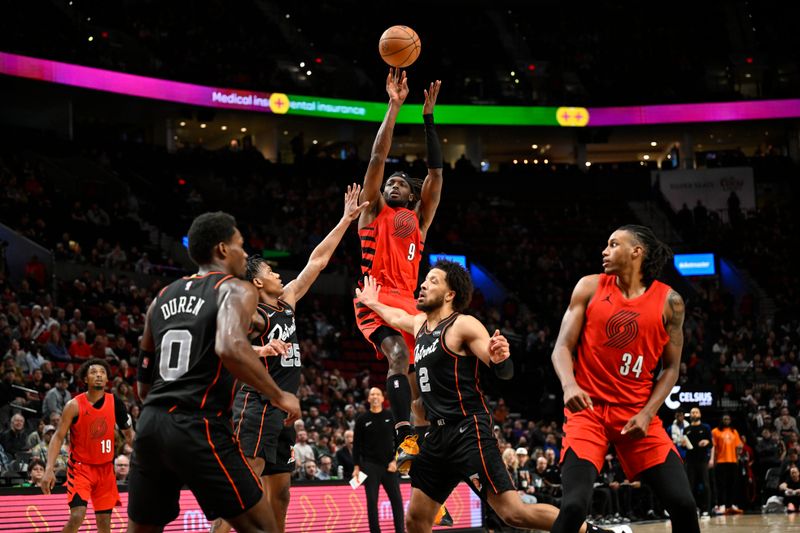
pixel 130 84
pixel 683 113
pixel 186 93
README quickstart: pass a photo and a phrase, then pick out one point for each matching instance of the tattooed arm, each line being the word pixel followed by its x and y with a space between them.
pixel 674 311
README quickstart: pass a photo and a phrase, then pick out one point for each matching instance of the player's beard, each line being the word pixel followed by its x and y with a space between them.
pixel 394 204
pixel 427 307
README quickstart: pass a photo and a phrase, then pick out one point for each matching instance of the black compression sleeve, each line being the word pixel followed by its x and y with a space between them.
pixel 146 370
pixel 504 370
pixel 432 141
pixel 121 414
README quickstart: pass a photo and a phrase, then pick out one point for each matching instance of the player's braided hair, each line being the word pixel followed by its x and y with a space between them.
pixel 207 231
pixel 459 281
pixel 656 253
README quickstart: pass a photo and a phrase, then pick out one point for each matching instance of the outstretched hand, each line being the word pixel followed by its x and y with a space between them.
pixel 397 86
pixel 499 349
pixel 369 294
pixel 352 209
pixel 430 97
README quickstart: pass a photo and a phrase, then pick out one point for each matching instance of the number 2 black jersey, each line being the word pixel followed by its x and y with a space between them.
pixel 448 383
pixel 280 324
pixel 188 372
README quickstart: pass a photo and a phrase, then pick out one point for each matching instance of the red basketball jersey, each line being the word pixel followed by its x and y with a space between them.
pixel 391 248
pixel 92 436
pixel 621 343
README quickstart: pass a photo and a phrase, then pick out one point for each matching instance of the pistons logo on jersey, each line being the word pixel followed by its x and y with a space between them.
pixel 404 224
pixel 621 329
pixel 98 428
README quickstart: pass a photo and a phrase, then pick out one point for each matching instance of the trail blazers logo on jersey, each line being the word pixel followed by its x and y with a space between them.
pixel 621 328
pixel 404 224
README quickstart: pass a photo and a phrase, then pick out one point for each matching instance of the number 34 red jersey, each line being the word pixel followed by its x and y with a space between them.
pixel 621 343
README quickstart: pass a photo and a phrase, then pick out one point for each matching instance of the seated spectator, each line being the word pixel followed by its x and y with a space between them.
pixel 15 439
pixel 310 471
pixel 790 489
pixel 122 465
pixel 35 472
pixel 79 348
pixel 325 466
pixel 57 397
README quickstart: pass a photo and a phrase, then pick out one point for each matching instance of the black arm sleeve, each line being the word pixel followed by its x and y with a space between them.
pixel 121 414
pixel 146 369
pixel 504 370
pixel 432 142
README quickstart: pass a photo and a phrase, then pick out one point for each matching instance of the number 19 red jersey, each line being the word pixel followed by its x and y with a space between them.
pixel 92 436
pixel 621 343
pixel 390 250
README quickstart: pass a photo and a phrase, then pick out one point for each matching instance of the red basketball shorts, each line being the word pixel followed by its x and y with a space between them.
pixel 589 432
pixel 95 483
pixel 368 320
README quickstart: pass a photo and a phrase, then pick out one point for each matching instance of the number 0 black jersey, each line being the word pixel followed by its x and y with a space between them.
pixel 188 372
pixel 448 383
pixel 280 324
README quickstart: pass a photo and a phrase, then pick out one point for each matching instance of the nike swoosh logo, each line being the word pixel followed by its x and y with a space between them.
pixel 270 314
pixel 368 423
pixel 462 430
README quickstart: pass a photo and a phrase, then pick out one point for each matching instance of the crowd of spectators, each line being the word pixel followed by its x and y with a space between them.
pixel 747 357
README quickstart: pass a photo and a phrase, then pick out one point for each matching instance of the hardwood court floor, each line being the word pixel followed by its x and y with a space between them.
pixel 768 523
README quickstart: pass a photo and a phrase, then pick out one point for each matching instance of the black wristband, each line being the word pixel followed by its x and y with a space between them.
pixel 146 367
pixel 504 370
pixel 432 142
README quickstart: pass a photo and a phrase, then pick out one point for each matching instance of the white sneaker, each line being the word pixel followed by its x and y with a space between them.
pixel 719 509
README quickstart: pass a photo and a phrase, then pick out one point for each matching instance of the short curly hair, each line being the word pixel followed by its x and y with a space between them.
pixel 84 369
pixel 207 231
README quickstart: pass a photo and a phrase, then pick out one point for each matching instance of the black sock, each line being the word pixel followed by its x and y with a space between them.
pixel 399 392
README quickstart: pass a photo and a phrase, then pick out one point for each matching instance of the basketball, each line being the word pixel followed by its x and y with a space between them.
pixel 399 46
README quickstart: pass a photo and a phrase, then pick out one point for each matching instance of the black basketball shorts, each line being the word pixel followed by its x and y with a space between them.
pixel 464 450
pixel 261 433
pixel 193 449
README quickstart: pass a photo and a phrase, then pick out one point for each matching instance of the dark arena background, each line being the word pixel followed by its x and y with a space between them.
pixel 559 122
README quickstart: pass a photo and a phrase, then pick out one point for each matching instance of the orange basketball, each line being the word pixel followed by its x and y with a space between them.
pixel 399 46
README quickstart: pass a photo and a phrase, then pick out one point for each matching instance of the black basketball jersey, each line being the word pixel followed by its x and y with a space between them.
pixel 284 369
pixel 448 383
pixel 188 372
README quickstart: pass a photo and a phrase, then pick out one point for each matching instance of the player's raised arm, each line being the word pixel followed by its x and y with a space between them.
pixel 396 318
pixel 147 348
pixel 397 89
pixel 237 302
pixel 575 398
pixel 432 186
pixel 319 258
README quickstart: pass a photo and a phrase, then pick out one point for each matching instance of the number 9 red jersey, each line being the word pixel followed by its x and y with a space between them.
pixel 391 248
